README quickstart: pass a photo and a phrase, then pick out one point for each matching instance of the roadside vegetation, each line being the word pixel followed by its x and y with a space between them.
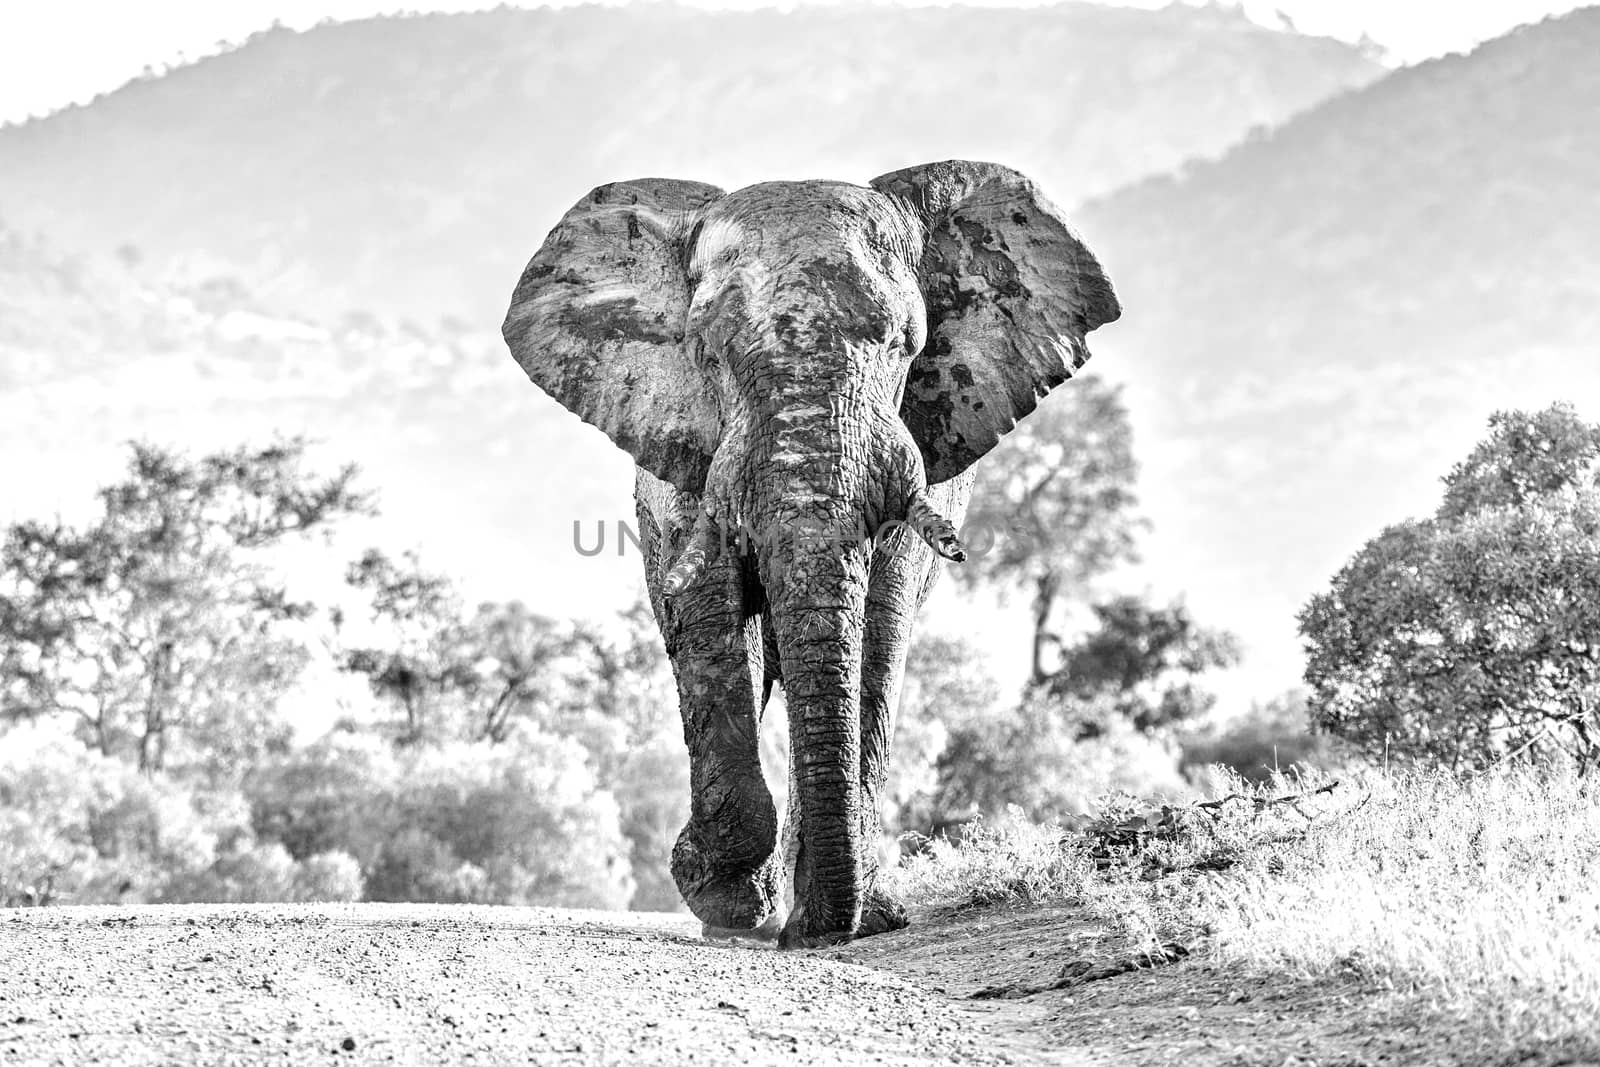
pixel 181 722
pixel 1476 897
pixel 1440 841
pixel 1423 819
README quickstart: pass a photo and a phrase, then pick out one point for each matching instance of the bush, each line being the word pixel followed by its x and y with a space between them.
pixel 527 813
pixel 652 788
pixel 328 876
pixel 947 688
pixel 83 828
pixel 78 827
pixel 37 865
pixel 1032 758
pixel 1271 737
pixel 260 874
pixel 332 795
pixel 1009 860
pixel 519 822
pixel 414 865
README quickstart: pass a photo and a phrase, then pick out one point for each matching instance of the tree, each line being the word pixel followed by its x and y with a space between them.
pixel 157 626
pixel 1474 635
pixel 418 667
pixel 1053 505
pixel 947 689
pixel 516 673
pixel 1141 663
pixel 455 676
pixel 506 671
pixel 628 673
pixel 961 751
pixel 1052 513
pixel 1525 458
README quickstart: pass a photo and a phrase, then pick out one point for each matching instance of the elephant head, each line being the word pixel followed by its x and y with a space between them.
pixel 811 356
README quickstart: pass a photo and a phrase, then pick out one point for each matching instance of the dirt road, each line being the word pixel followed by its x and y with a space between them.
pixel 437 985
pixel 375 983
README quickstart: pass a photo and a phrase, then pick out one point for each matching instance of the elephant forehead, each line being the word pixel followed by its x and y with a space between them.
pixel 810 297
pixel 777 219
pixel 800 256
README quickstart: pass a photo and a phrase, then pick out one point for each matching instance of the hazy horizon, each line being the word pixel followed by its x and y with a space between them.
pixel 47 62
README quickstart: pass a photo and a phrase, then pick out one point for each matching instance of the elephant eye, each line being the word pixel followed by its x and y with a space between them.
pixel 916 333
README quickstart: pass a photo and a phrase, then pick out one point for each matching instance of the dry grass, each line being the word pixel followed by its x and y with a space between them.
pixel 1478 896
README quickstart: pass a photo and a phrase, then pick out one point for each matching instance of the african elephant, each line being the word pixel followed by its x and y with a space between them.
pixel 804 373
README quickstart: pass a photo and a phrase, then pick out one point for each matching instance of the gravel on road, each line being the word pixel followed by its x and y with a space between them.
pixel 446 984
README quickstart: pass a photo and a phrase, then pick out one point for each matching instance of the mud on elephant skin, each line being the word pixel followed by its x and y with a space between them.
pixel 804 373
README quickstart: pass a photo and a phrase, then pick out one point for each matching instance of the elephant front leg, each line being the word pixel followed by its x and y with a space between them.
pixel 725 861
pixel 902 574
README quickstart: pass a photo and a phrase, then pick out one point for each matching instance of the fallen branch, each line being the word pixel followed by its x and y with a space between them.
pixel 1082 972
pixel 1262 803
pixel 1113 838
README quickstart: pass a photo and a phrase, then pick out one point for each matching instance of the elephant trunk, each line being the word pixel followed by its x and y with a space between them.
pixel 819 610
pixel 815 470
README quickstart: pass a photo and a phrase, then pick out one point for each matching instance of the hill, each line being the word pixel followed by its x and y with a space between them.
pixel 1318 324
pixel 409 166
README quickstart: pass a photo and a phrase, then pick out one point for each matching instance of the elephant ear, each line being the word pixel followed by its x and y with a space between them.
pixel 597 321
pixel 1011 292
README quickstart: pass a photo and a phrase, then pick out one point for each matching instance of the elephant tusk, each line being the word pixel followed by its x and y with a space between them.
pixel 938 531
pixel 692 560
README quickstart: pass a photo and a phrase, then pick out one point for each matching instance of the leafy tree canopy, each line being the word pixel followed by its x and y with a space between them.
pixel 1474 635
pixel 452 674
pixel 1142 661
pixel 156 625
pixel 1052 508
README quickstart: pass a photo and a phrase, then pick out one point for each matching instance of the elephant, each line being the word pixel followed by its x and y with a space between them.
pixel 804 373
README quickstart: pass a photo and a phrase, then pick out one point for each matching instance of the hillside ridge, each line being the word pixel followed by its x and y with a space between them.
pixel 409 166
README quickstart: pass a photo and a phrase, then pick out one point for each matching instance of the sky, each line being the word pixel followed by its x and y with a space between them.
pixel 66 51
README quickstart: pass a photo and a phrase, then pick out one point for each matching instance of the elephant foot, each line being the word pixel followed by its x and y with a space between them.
pixel 767 931
pixel 795 934
pixel 737 900
pixel 880 914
